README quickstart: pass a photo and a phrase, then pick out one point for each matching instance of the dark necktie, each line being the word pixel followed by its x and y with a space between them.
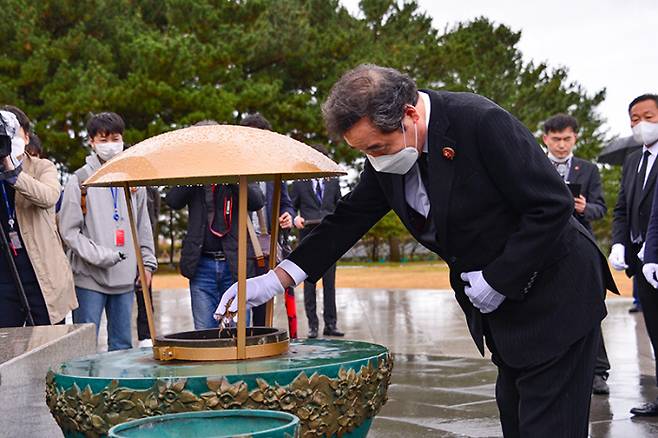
pixel 637 196
pixel 318 191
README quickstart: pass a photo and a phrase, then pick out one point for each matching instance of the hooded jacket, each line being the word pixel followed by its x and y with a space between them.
pixel 91 238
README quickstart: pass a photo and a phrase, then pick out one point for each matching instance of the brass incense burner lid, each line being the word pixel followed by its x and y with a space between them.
pixel 213 154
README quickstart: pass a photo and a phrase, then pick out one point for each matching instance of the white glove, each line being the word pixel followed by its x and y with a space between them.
pixel 259 290
pixel 483 296
pixel 640 255
pixel 650 270
pixel 617 258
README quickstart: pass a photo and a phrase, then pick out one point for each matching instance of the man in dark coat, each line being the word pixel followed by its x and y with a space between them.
pixel 635 205
pixel 209 257
pixel 584 181
pixel 469 182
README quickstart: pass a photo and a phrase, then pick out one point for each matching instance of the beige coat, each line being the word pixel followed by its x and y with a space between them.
pixel 37 192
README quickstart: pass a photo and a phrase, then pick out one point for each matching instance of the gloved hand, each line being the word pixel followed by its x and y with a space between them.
pixel 483 296
pixel 617 258
pixel 650 270
pixel 259 290
pixel 640 255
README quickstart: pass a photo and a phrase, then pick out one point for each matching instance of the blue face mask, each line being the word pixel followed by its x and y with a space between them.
pixel 400 162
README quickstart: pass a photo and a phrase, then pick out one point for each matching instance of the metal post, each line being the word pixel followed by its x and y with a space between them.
pixel 140 263
pixel 274 238
pixel 242 268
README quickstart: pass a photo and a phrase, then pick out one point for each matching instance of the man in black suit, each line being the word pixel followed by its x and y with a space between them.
pixel 560 135
pixel 314 199
pixel 631 217
pixel 469 182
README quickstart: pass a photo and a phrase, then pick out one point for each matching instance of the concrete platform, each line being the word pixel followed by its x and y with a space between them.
pixel 26 354
pixel 441 386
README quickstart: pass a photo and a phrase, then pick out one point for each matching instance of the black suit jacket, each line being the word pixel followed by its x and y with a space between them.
pixel 304 199
pixel 622 213
pixel 587 175
pixel 194 197
pixel 285 204
pixel 651 250
pixel 498 206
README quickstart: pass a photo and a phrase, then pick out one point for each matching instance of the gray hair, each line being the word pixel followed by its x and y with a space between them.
pixel 378 93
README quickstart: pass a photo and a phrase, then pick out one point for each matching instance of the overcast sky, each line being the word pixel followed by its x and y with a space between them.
pixel 603 43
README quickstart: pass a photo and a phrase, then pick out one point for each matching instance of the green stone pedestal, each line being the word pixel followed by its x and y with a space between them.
pixel 334 387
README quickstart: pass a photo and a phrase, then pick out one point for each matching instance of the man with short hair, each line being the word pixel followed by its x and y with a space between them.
pixel 631 217
pixel 468 181
pixel 314 199
pixel 95 227
pixel 560 136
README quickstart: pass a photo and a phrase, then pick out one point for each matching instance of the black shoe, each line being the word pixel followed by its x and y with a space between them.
pixel 635 309
pixel 331 331
pixel 312 333
pixel 600 386
pixel 646 410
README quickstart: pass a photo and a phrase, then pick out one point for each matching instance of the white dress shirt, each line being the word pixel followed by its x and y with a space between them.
pixel 414 189
pixel 318 182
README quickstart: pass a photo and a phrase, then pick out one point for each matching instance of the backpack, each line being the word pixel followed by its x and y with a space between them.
pixel 82 174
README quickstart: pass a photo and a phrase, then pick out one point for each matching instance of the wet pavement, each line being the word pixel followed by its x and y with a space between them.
pixel 441 386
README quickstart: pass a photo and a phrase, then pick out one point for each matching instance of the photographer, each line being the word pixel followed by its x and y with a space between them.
pixel 29 190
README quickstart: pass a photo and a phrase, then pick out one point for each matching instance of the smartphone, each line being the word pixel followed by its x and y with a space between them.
pixel 575 189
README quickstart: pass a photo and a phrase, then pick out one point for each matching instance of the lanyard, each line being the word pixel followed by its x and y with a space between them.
pixel 115 200
pixel 228 212
pixel 11 214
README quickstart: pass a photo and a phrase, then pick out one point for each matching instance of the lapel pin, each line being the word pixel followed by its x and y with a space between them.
pixel 448 153
pixel 577 168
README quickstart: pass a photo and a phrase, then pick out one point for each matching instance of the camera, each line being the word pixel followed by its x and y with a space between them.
pixel 5 139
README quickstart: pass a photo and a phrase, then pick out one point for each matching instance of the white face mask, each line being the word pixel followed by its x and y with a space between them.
pixel 400 162
pixel 105 151
pixel 645 133
pixel 17 146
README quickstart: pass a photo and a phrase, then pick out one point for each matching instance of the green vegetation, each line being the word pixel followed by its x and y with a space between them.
pixel 164 64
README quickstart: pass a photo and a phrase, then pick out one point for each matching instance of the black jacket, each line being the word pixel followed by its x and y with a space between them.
pixel 622 213
pixel 587 175
pixel 194 197
pixel 306 202
pixel 498 206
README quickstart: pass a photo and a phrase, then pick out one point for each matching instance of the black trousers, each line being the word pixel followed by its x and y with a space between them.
pixel 549 399
pixel 602 365
pixel 12 311
pixel 143 331
pixel 328 299
pixel 649 301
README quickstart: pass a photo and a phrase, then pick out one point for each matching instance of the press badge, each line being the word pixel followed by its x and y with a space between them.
pixel 119 237
pixel 15 240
